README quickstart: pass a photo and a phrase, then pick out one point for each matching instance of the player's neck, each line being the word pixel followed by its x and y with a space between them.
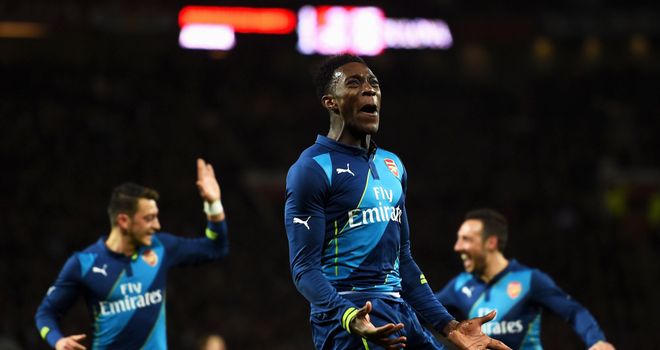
pixel 362 142
pixel 120 243
pixel 496 263
pixel 340 134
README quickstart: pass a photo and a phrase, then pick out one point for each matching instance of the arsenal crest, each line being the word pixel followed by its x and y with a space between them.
pixel 514 289
pixel 150 257
pixel 392 166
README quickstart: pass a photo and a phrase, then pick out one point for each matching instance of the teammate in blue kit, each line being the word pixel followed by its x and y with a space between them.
pixel 123 275
pixel 517 292
pixel 349 241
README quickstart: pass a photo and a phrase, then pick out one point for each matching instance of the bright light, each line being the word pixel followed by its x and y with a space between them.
pixel 241 19
pixel 337 29
pixel 207 37
pixel 325 30
pixel 307 30
pixel 365 31
pixel 417 33
pixel 367 25
pixel 333 30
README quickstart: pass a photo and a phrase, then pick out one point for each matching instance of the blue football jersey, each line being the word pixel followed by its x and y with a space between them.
pixel 125 295
pixel 347 227
pixel 518 294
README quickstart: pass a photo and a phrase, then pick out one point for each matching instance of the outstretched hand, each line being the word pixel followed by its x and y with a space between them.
pixel 467 335
pixel 70 343
pixel 206 181
pixel 602 345
pixel 361 326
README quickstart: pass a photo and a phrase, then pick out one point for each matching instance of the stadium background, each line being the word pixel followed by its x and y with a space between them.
pixel 547 111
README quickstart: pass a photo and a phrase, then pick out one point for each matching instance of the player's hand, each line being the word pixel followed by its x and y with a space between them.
pixel 602 345
pixel 361 326
pixel 206 181
pixel 467 335
pixel 70 343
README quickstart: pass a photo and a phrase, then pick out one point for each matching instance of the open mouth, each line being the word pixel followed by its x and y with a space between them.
pixel 466 259
pixel 369 109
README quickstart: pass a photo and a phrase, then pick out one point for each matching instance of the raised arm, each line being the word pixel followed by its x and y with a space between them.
pixel 209 190
pixel 184 251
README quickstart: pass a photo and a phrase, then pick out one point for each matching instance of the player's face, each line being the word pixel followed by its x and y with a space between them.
pixel 144 222
pixel 357 94
pixel 470 246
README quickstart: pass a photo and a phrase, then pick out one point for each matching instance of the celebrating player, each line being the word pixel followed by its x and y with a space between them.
pixel 517 292
pixel 123 276
pixel 346 222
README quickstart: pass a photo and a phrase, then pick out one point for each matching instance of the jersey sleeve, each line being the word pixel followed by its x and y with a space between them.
pixel 304 218
pixel 191 251
pixel 59 299
pixel 416 290
pixel 548 294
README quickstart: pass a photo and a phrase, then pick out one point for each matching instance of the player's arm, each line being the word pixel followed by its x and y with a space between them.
pixel 215 243
pixel 546 292
pixel 447 297
pixel 58 300
pixel 304 218
pixel 416 290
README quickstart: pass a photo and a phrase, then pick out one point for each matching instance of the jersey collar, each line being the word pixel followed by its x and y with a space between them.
pixel 506 270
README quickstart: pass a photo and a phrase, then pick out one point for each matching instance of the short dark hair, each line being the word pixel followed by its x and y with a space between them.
pixel 495 224
pixel 125 197
pixel 325 73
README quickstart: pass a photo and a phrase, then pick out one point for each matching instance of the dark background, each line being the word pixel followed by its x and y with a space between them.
pixel 547 111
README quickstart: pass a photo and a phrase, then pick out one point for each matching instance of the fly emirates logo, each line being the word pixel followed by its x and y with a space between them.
pixel 357 217
pixel 133 299
pixel 495 327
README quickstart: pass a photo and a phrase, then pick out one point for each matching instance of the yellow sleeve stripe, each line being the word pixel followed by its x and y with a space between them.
pixel 349 315
pixel 366 345
pixel 211 234
pixel 422 279
pixel 44 332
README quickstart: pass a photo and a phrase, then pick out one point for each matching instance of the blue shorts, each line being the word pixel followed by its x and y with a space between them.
pixel 329 335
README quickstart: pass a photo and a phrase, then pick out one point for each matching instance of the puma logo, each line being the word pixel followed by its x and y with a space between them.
pixel 347 170
pixel 101 270
pixel 299 221
pixel 467 291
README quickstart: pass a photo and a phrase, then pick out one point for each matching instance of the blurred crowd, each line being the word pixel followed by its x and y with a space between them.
pixel 559 136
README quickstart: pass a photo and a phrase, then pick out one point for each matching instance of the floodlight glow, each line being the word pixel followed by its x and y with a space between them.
pixel 337 29
pixel 417 33
pixel 367 25
pixel 326 30
pixel 331 30
pixel 207 37
pixel 307 30
pixel 241 19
